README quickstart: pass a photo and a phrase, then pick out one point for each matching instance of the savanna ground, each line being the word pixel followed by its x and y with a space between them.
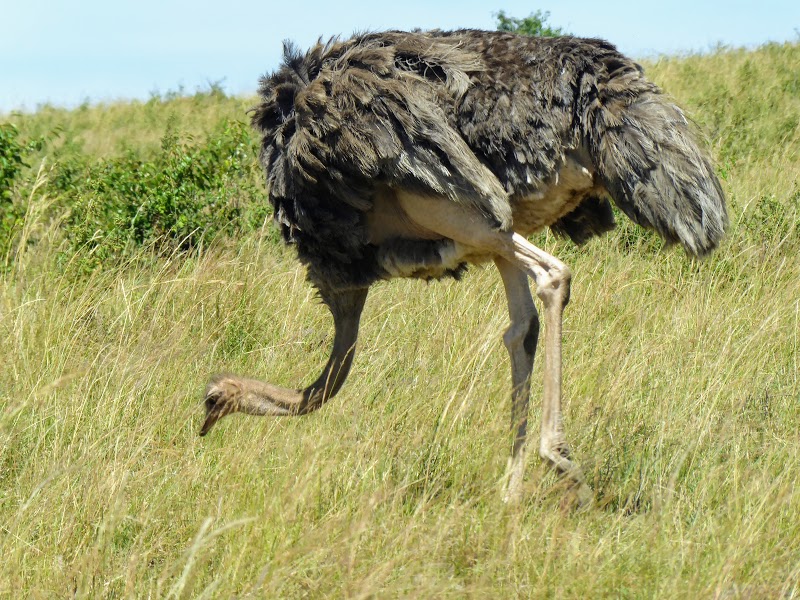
pixel 682 397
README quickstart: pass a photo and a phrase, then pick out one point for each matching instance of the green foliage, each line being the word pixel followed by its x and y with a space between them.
pixel 13 155
pixel 771 219
pixel 534 24
pixel 11 158
pixel 109 130
pixel 188 192
pixel 747 102
pixel 121 177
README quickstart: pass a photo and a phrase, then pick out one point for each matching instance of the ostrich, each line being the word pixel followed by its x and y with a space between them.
pixel 402 154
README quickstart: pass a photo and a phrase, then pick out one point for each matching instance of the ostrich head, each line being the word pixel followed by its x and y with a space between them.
pixel 221 400
pixel 228 394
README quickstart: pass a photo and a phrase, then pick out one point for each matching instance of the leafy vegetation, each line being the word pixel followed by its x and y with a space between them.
pixel 534 24
pixel 11 158
pixel 13 154
pixel 187 192
pixel 681 382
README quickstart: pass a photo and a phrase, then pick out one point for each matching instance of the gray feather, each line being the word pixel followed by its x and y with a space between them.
pixel 480 118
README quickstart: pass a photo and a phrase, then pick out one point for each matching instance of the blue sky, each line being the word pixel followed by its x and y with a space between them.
pixel 100 50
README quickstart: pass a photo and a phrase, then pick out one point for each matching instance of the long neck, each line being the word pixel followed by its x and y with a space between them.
pixel 261 398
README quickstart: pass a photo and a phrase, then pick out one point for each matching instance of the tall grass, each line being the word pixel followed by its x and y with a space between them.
pixel 681 390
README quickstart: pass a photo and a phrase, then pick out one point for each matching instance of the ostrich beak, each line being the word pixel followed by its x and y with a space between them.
pixel 215 410
pixel 211 418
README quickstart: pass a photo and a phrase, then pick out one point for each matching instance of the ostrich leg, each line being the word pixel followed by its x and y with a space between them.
pixel 229 393
pixel 520 340
pixel 552 287
pixel 552 277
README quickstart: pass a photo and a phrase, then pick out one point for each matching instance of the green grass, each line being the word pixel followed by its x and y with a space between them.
pixel 681 391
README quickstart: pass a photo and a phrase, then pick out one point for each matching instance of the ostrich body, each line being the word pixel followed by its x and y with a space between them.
pixel 414 154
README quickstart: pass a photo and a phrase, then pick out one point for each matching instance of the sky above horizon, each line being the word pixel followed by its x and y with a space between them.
pixel 66 53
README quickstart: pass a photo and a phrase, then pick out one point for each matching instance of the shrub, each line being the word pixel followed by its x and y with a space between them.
pixel 187 193
pixel 13 154
pixel 11 159
pixel 534 24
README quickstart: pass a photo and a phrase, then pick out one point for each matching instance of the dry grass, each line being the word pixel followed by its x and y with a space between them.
pixel 682 403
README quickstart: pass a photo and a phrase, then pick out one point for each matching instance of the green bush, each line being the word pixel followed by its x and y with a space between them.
pixel 13 154
pixel 535 24
pixel 187 193
pixel 11 159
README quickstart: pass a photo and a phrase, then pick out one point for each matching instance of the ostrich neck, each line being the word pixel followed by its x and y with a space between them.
pixel 264 399
pixel 261 398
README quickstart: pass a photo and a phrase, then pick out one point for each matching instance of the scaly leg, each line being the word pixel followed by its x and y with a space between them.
pixel 552 287
pixel 520 340
pixel 552 278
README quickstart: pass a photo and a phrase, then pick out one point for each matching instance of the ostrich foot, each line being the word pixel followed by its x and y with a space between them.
pixel 578 493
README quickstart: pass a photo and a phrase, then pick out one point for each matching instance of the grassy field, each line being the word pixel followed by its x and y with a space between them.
pixel 682 398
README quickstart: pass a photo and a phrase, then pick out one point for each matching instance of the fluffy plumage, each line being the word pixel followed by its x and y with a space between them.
pixel 482 118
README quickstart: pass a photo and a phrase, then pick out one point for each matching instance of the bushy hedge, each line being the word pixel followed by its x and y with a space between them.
pixel 13 156
pixel 187 193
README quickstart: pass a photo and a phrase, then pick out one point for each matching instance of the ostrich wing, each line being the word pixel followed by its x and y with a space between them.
pixel 368 114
